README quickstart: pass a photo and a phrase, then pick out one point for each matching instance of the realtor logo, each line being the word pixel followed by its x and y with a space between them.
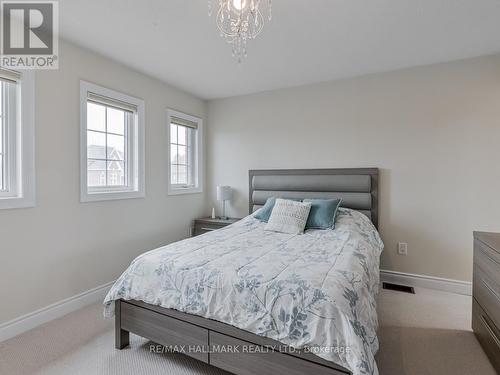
pixel 29 34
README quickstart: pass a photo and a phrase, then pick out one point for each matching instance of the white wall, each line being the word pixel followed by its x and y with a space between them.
pixel 433 131
pixel 62 247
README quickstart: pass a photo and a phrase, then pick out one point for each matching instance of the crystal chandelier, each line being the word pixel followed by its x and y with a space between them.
pixel 240 21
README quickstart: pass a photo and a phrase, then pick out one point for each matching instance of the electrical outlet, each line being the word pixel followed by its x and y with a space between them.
pixel 402 248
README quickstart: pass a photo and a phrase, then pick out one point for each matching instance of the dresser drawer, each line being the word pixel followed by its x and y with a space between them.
pixel 243 358
pixel 487 334
pixel 486 280
pixel 166 331
pixel 486 292
pixel 487 259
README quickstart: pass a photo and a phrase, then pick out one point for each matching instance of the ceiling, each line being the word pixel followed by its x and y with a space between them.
pixel 307 41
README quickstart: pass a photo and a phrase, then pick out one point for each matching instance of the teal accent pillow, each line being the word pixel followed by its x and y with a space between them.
pixel 265 212
pixel 323 213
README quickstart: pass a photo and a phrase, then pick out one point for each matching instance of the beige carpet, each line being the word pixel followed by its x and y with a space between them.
pixel 422 334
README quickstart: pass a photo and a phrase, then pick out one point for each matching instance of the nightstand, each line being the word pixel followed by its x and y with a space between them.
pixel 208 224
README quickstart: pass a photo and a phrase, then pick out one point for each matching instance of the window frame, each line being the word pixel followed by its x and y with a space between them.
pixel 134 143
pixel 9 139
pixel 197 151
pixel 19 145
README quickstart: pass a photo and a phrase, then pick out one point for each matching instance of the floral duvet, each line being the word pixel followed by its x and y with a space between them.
pixel 315 291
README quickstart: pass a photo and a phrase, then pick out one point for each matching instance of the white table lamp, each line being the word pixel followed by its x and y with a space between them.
pixel 224 193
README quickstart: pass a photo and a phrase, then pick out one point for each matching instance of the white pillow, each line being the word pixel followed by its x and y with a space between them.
pixel 288 216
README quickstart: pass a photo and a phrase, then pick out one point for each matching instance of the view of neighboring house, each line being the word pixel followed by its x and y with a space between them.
pixel 113 166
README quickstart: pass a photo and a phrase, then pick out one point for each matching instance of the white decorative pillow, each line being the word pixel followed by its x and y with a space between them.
pixel 288 216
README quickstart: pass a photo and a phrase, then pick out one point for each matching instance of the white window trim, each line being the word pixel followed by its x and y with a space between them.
pixel 199 172
pixel 24 194
pixel 92 195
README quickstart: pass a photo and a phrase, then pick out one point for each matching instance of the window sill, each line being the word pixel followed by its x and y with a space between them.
pixel 16 202
pixel 181 191
pixel 109 196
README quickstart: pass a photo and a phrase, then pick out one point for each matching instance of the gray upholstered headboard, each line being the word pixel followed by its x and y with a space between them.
pixel 358 187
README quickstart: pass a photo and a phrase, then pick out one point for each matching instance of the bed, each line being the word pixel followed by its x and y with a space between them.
pixel 251 301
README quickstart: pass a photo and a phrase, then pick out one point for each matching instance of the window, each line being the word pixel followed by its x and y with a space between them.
pixel 112 144
pixel 4 100
pixel 185 153
pixel 17 172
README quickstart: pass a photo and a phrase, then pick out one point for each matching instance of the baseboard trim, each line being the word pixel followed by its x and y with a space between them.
pixel 424 281
pixel 56 310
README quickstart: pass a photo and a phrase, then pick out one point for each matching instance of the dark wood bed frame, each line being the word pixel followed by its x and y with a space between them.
pixel 205 339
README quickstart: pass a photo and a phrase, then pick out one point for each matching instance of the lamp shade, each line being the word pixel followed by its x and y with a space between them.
pixel 224 193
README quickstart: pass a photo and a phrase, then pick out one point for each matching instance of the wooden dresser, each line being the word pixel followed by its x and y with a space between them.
pixel 486 294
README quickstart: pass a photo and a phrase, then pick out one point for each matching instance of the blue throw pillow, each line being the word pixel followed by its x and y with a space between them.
pixel 323 213
pixel 265 212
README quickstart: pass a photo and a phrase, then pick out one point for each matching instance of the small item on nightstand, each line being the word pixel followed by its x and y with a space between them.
pixel 213 212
